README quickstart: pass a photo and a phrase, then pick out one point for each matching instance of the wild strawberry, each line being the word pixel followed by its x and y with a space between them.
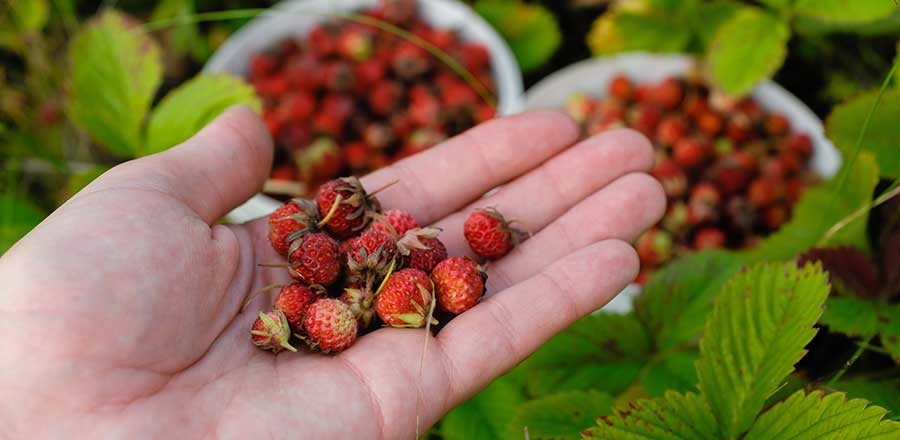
pixel 695 105
pixel 367 74
pixel 443 39
pixel 293 300
pixel 671 176
pixel 343 204
pixel 422 139
pixel 676 218
pixel 738 128
pixel 295 136
pixel 361 300
pixel 459 284
pixel 667 94
pixel 338 76
pixel 644 118
pixel 262 65
pixel 579 106
pixel 793 190
pixel 297 106
pixel 709 238
pixel 474 57
pixel 271 87
pixel 273 122
pixel 314 258
pixel 385 97
pixel 621 88
pixel 763 192
pixel 750 108
pixel 789 161
pixel 395 221
pixel 304 73
pixel 271 331
pixel 329 326
pixel 405 299
pixel 422 248
pixel 410 61
pixel 732 172
pixel 722 102
pixel 485 112
pixel 654 247
pixel 372 252
pixel 424 107
pixel 291 217
pixel 741 213
pixel 774 216
pixel 709 123
pixel 671 129
pixel 610 110
pixel 378 136
pixel 777 125
pixel 399 11
pixel 319 160
pixel 323 39
pixel 402 124
pixel 690 152
pixel 355 43
pixel 459 95
pixel 799 144
pixel 489 234
pixel 356 155
pixel 283 172
pixel 704 204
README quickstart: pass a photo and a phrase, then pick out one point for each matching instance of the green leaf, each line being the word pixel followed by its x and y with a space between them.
pixel 17 217
pixel 620 31
pixel 115 71
pixel 561 416
pixel 184 34
pixel 707 19
pixel 889 317
pixel 758 330
pixel 747 48
pixel 845 10
pixel 603 351
pixel 777 4
pixel 487 414
pixel 851 316
pixel 885 394
pixel 676 416
pixel 676 301
pixel 845 122
pixel 187 109
pixel 530 29
pixel 675 372
pixel 18 18
pixel 819 208
pixel 823 417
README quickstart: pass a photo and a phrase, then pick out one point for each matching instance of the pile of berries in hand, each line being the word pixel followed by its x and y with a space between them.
pixel 357 268
pixel 732 171
pixel 350 98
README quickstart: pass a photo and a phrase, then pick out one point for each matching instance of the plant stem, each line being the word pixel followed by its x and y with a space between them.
pixel 859 351
pixel 894 189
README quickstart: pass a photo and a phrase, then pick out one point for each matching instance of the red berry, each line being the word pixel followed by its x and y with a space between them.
pixel 356 155
pixel 738 128
pixel 329 326
pixel 304 73
pixel 422 248
pixel 378 135
pixel 704 204
pixel 667 94
pixel 405 299
pixel 271 331
pixel 741 213
pixel 709 123
pixel 709 238
pixel 355 43
pixel 385 97
pixel 338 76
pixel 315 258
pixel 283 172
pixel 621 88
pixel 488 234
pixel 774 216
pixel 654 247
pixel 690 152
pixel 676 218
pixel 474 57
pixel 763 192
pixel 361 300
pixel 323 40
pixel 695 105
pixel 293 300
pixel 290 218
pixel 297 106
pixel 318 160
pixel 799 144
pixel 644 118
pixel 424 107
pixel 671 176
pixel 371 252
pixel 579 107
pixel 398 222
pixel 262 65
pixel 367 74
pixel 350 213
pixel 409 61
pixel 777 124
pixel 671 129
pixel 458 284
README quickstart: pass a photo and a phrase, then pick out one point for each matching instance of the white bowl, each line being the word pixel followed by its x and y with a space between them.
pixel 591 77
pixel 297 17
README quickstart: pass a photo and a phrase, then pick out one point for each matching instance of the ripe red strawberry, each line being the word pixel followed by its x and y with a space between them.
pixel 314 258
pixel 384 97
pixel 579 107
pixel 763 192
pixel 329 326
pixel 777 124
pixel 304 73
pixel 621 88
pixel 291 217
pixel 695 105
pixel 293 300
pixel 283 172
pixel 371 252
pixel 667 94
pixel 458 283
pixel 262 65
pixel 774 216
pixel 398 11
pixel 738 128
pixel 793 190
pixel 338 76
pixel 690 152
pixel 485 112
pixel 459 95
pixel 474 57
pixel 654 247
pixel 489 234
pixel 367 74
pixel 444 39
pixel 360 298
pixel 709 123
pixel 396 221
pixel 422 248
pixel 709 238
pixel 297 107
pixel 405 299
pixel 378 135
pixel 424 107
pixel 355 43
pixel 356 155
pixel 348 215
pixel 271 87
pixel 319 160
pixel 789 161
pixel 799 144
pixel 644 118
pixel 671 176
pixel 322 39
pixel 671 129
pixel 271 331
pixel 704 204
pixel 409 61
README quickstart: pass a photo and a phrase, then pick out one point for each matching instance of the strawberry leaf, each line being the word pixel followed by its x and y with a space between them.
pixel 622 31
pixel 747 48
pixel 530 29
pixel 885 394
pixel 845 122
pixel 115 71
pixel 672 373
pixel 676 301
pixel 761 323
pixel 707 19
pixel 17 217
pixel 560 416
pixel 850 270
pixel 675 416
pixel 845 10
pixel 187 109
pixel 18 19
pixel 851 316
pixel 487 414
pixel 889 318
pixel 823 417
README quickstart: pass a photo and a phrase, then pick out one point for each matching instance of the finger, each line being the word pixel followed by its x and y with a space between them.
pixel 497 334
pixel 622 210
pixel 538 198
pixel 212 173
pixel 452 174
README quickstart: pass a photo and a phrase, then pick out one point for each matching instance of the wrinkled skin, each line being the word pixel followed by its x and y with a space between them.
pixel 120 314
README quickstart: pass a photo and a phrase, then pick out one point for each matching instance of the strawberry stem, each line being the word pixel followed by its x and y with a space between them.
pixel 334 206
pixel 390 184
pixel 256 293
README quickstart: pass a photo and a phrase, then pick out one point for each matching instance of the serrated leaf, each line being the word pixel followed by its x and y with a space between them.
pixel 675 372
pixel 889 318
pixel 818 210
pixel 115 71
pixel 851 316
pixel 707 19
pixel 530 30
pixel 676 301
pixel 761 323
pixel 602 351
pixel 747 48
pixel 17 217
pixel 187 109
pixel 620 31
pixel 487 414
pixel 845 10
pixel 850 270
pixel 561 416
pixel 823 417
pixel 884 393
pixel 675 416
pixel 846 120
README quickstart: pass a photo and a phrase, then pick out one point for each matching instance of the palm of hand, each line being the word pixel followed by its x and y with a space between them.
pixel 122 311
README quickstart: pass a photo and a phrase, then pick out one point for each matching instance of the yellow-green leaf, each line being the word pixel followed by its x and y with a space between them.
pixel 747 48
pixel 673 417
pixel 884 393
pixel 187 109
pixel 561 416
pixel 115 71
pixel 486 415
pixel 882 137
pixel 851 316
pixel 530 29
pixel 621 31
pixel 845 10
pixel 19 18
pixel 17 217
